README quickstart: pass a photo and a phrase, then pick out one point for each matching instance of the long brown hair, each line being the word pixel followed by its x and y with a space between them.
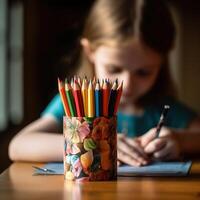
pixel 118 21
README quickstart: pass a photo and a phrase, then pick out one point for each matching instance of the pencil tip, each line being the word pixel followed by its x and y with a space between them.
pixel 66 80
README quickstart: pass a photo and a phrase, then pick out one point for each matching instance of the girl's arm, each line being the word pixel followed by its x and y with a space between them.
pixel 38 142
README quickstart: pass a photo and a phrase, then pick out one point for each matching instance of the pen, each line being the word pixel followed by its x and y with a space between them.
pixel 161 120
pixel 44 169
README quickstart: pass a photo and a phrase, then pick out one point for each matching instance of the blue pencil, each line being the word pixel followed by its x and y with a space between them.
pixel 98 100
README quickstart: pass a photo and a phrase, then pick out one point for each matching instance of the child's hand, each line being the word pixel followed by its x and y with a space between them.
pixel 130 151
pixel 165 147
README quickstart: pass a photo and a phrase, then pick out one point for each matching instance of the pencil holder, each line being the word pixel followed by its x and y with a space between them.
pixel 90 148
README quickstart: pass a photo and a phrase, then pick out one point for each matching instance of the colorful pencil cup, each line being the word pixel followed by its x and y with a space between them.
pixel 90 148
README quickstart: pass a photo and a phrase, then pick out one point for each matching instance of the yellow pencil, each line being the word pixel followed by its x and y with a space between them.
pixel 84 89
pixel 91 111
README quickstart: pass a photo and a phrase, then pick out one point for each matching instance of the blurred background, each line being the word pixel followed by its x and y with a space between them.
pixel 37 40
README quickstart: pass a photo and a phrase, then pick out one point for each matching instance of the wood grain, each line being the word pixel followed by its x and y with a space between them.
pixel 17 182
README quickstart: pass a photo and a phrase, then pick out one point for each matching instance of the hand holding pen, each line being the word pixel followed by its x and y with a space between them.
pixel 137 151
pixel 161 143
pixel 156 141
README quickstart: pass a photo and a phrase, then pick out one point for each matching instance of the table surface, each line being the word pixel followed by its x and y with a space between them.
pixel 17 182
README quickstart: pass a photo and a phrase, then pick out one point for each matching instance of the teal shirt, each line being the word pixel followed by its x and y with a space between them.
pixel 179 116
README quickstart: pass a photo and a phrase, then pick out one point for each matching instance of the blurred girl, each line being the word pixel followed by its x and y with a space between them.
pixel 129 40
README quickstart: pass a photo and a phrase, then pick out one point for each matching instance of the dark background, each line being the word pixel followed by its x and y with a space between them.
pixel 51 32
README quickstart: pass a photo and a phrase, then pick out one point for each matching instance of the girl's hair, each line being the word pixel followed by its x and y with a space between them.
pixel 116 22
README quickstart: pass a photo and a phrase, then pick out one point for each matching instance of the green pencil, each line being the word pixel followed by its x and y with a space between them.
pixel 70 98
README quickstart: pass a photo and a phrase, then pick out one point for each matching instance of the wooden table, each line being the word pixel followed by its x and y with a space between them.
pixel 17 182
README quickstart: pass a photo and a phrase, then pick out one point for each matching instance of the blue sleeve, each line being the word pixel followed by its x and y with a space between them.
pixel 180 115
pixel 55 108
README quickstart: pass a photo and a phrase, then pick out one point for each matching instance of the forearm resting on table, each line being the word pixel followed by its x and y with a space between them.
pixel 39 147
pixel 39 141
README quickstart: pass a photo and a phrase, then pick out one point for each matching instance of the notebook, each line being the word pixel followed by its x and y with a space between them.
pixel 154 169
pixel 157 169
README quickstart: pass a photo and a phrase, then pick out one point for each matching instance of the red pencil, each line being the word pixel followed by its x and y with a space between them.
pixel 106 96
pixel 78 99
pixel 61 88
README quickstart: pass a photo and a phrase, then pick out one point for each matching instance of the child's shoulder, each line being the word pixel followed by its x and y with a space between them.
pixel 54 108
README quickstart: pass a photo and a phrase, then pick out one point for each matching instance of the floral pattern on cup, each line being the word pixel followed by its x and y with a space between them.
pixel 90 151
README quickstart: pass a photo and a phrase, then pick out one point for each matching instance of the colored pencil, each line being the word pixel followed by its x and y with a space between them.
pixel 94 81
pixel 102 82
pixel 76 94
pixel 79 81
pixel 70 98
pixel 95 98
pixel 91 108
pixel 72 83
pixel 119 93
pixel 98 100
pixel 112 99
pixel 80 99
pixel 106 95
pixel 84 90
pixel 61 88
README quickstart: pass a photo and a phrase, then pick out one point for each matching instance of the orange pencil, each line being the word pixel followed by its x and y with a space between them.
pixel 61 88
pixel 119 93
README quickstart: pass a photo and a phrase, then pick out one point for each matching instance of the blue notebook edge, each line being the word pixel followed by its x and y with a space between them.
pixel 158 169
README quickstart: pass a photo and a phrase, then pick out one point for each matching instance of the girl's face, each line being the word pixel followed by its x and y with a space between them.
pixel 136 64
